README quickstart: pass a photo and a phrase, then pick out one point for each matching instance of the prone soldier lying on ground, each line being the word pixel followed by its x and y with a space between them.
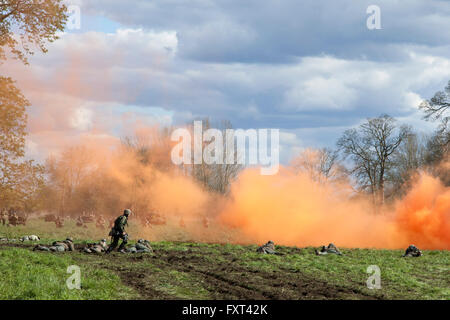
pixel 6 239
pixel 141 246
pixel 268 248
pixel 57 246
pixel 326 250
pixel 96 247
pixel 412 251
pixel 30 238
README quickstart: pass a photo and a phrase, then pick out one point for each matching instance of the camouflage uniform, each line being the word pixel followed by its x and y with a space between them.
pixel 142 246
pixel 412 251
pixel 96 247
pixel 268 248
pixel 57 246
pixel 330 249
pixel 118 232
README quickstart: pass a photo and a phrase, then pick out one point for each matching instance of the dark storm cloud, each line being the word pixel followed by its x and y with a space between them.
pixel 277 31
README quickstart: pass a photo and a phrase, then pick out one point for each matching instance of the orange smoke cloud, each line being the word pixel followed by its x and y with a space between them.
pixel 423 216
pixel 292 209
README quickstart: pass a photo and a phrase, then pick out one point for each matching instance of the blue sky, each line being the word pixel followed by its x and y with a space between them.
pixel 310 68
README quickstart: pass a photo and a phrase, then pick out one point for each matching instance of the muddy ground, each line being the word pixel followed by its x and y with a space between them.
pixel 205 273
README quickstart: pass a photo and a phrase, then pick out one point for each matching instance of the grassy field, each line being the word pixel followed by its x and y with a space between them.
pixel 185 270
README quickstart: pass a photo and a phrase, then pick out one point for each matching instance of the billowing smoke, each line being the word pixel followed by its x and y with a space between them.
pixel 423 216
pixel 290 208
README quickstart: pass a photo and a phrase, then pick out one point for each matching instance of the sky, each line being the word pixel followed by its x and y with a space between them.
pixel 310 68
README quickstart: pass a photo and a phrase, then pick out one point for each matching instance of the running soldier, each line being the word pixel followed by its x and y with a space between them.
pixel 118 232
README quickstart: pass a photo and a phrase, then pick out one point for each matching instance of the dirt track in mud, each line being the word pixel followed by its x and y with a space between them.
pixel 225 278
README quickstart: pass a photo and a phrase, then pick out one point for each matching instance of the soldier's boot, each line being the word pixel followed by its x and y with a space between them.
pixel 123 244
pixel 41 248
pixel 97 250
pixel 108 251
pixel 122 247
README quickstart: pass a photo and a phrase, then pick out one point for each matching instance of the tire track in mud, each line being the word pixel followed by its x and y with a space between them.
pixel 237 282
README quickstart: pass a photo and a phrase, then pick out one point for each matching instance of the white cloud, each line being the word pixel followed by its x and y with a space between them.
pixel 321 94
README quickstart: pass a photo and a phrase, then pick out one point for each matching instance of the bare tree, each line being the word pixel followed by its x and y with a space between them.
pixel 438 108
pixel 320 164
pixel 371 147
pixel 216 177
pixel 151 146
pixel 225 173
pixel 67 173
pixel 407 159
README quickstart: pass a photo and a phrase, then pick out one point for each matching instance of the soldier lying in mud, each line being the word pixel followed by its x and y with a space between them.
pixel 331 249
pixel 23 239
pixel 412 251
pixel 268 248
pixel 96 247
pixel 30 238
pixel 57 246
pixel 142 246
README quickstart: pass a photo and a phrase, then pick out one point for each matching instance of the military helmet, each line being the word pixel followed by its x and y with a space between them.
pixel 127 212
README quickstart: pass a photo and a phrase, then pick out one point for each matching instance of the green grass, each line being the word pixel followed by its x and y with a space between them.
pixel 38 275
pixel 427 277
pixel 42 275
